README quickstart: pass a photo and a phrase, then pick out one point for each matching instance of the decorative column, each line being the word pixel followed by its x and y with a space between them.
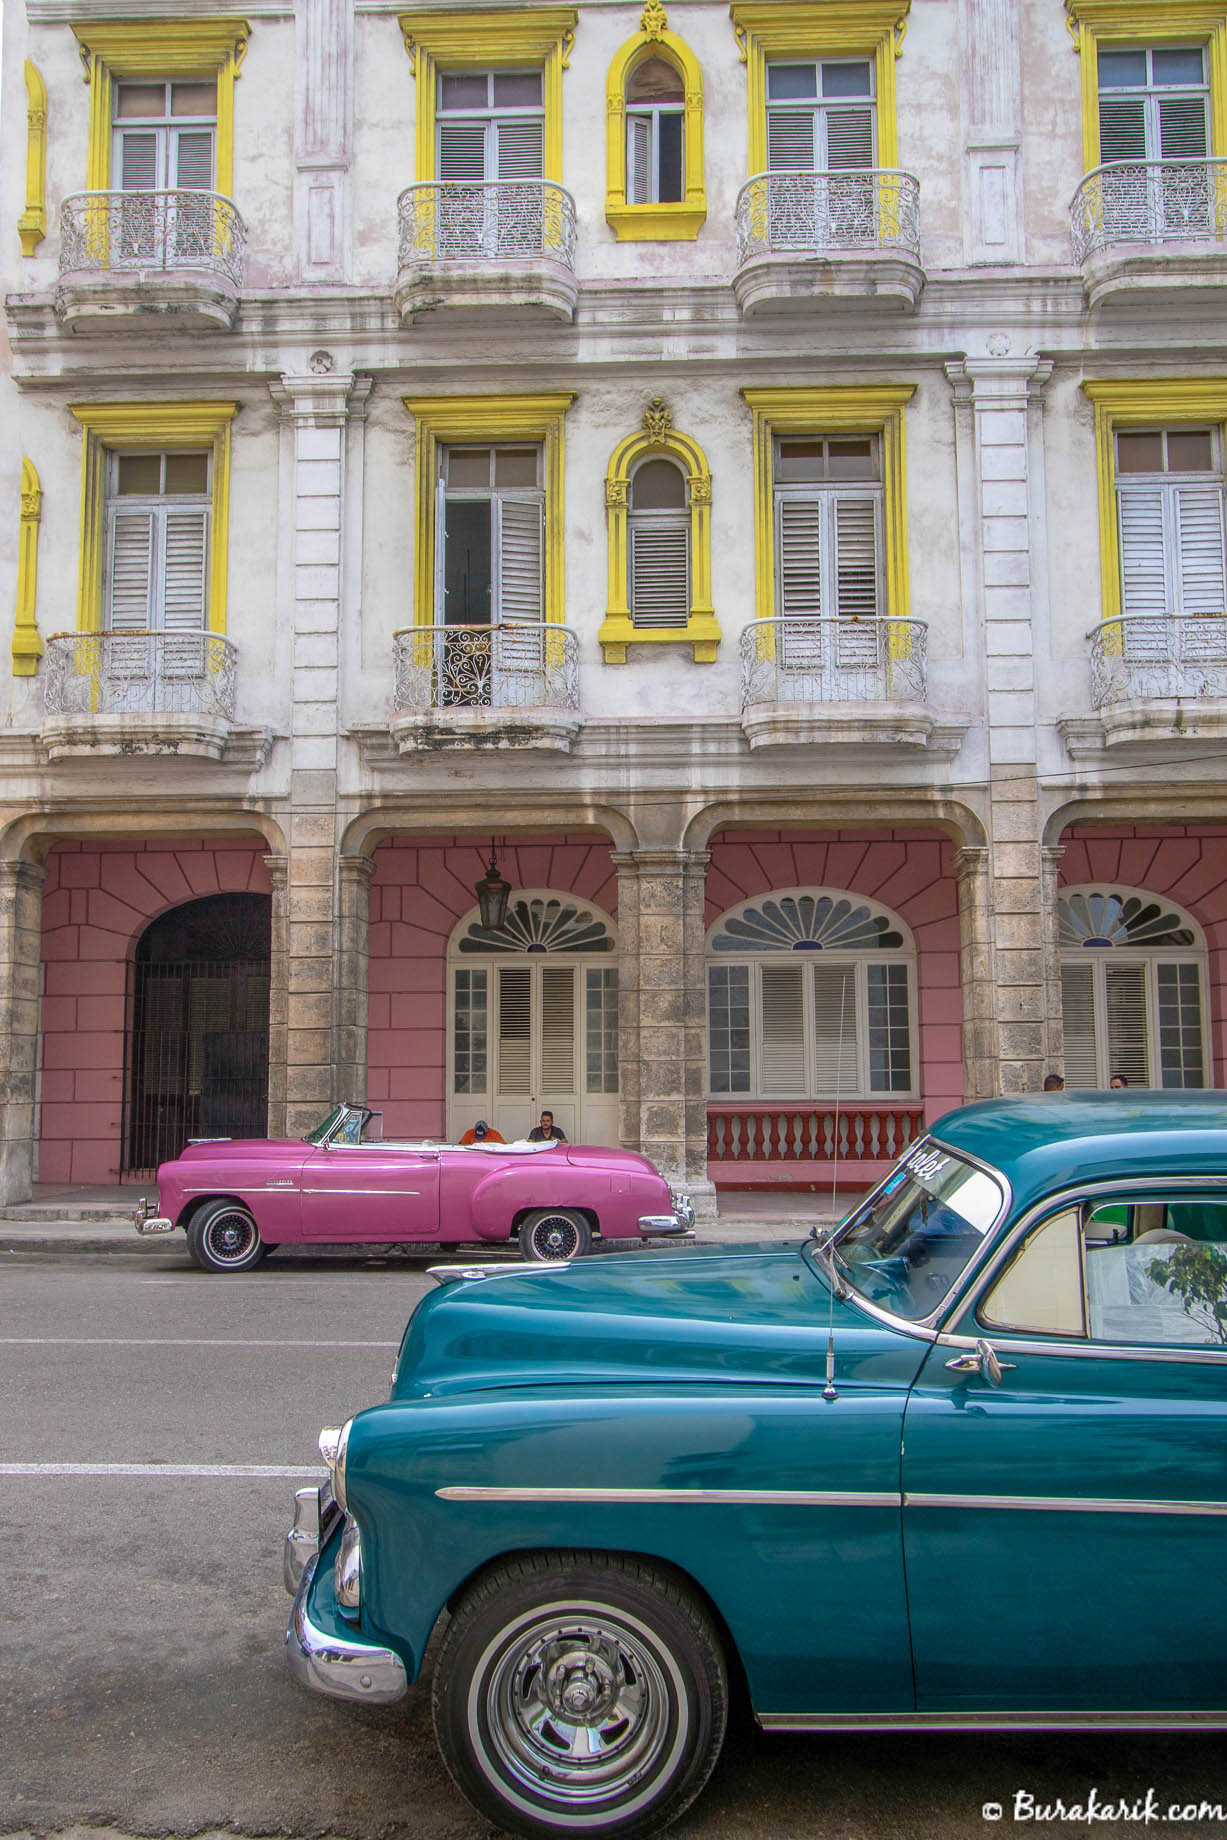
pixel 992 89
pixel 323 416
pixel 356 876
pixel 323 138
pixel 998 408
pixel 21 886
pixel 662 1014
pixel 976 974
pixel 278 993
pixel 27 645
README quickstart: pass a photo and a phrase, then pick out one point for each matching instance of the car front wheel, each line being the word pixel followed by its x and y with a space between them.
pixel 580 1693
pixel 223 1236
pixel 555 1233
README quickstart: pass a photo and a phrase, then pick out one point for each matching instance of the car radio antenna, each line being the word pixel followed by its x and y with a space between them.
pixel 830 1391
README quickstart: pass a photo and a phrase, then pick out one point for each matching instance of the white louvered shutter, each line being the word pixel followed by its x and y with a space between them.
pixel 849 140
pixel 1125 988
pixel 638 159
pixel 835 1032
pixel 1122 141
pixel 194 161
pixel 790 141
pixel 557 1029
pixel 515 1031
pixel 462 152
pixel 1182 128
pixel 185 571
pixel 782 1031
pixel 139 165
pixel 1199 546
pixel 519 559
pixel 1144 588
pixel 520 148
pixel 856 580
pixel 660 574
pixel 800 551
pixel 1078 1008
pixel 131 571
pixel 1122 129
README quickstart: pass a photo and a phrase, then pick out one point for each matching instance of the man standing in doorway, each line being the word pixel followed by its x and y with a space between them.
pixel 547 1131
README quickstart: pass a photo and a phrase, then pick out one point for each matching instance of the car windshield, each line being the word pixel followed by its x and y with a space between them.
pixel 905 1247
pixel 343 1125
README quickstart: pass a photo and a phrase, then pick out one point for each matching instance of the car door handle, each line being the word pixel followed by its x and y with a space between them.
pixel 982 1360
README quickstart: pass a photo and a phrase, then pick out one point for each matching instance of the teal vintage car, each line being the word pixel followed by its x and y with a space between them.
pixel 961 1463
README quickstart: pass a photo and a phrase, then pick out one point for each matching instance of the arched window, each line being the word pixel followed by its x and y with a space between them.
pixel 1133 989
pixel 654 149
pixel 658 502
pixel 811 996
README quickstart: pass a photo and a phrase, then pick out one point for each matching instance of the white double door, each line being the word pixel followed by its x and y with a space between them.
pixel 550 1045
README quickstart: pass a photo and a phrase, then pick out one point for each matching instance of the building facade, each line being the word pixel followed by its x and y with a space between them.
pixel 753 474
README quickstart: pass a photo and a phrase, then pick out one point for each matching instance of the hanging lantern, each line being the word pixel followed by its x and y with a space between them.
pixel 492 892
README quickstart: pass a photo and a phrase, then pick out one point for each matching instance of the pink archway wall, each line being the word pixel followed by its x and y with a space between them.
pixel 97 901
pixel 422 887
pixel 1185 862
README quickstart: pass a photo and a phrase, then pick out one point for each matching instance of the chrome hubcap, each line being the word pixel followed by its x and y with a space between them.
pixel 230 1237
pixel 555 1238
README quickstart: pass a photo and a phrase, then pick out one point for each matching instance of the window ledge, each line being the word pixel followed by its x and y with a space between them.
pixel 539 730
pixel 656 223
pixel 539 290
pixel 796 283
pixel 702 634
pixel 1125 275
pixel 1199 722
pixel 146 300
pixel 861 726
pixel 195 737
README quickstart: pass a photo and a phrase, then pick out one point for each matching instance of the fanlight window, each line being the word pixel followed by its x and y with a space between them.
pixel 811 997
pixel 1133 984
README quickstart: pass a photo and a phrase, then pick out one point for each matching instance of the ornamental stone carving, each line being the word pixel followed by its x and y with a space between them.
pixel 657 419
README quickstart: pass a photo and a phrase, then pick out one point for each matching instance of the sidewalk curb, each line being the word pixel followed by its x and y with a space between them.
pixel 32 1240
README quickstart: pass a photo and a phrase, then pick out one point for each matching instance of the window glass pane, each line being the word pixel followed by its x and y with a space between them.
pixel 517 89
pixel 194 99
pixel 658 485
pixel 601 1030
pixel 728 1027
pixel 1180 1051
pixel 1121 69
pixel 846 79
pixel 1183 66
pixel 469 1040
pixel 140 99
pixel 669 188
pixel 789 82
pixel 1190 451
pixel 853 459
pixel 187 473
pixel 469 466
pixel 799 460
pixel 139 474
pixel 515 466
pixel 466 562
pixel 890 1057
pixel 1041 1287
pixel 1160 1277
pixel 464 90
pixel 1139 453
pixel 655 81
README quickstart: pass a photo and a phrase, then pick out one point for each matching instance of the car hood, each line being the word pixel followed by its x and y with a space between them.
pixel 754 1313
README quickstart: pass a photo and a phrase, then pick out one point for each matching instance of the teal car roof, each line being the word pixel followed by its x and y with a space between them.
pixel 1046 1141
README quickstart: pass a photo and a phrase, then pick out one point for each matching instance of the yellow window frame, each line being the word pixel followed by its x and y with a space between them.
pixel 539 37
pixel 836 409
pixel 1124 24
pixel 443 420
pixel 767 29
pixel 654 223
pixel 661 440
pixel 1162 402
pixel 160 48
pixel 124 428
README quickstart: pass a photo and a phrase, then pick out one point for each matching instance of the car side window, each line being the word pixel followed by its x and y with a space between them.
pixel 1156 1273
pixel 1040 1290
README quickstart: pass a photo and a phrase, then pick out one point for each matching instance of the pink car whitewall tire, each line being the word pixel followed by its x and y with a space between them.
pixel 224 1237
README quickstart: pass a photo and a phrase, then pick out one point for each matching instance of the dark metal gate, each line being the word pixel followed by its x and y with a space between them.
pixel 197 1050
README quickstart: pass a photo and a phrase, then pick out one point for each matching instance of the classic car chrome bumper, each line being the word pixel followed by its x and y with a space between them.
pixel 148 1223
pixel 677 1225
pixel 342 1667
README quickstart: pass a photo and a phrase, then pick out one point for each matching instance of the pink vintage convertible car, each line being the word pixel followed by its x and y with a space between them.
pixel 237 1198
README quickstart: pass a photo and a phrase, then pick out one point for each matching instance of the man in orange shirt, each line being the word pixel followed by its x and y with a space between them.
pixel 480 1133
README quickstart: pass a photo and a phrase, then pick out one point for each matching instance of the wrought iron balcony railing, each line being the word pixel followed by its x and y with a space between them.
pixel 834 661
pixel 517 665
pixel 1149 201
pixel 141 673
pixel 110 232
pixel 1159 655
pixel 503 220
pixel 820 213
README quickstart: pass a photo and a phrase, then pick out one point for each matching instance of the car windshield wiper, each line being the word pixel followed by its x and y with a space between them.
pixel 821 1238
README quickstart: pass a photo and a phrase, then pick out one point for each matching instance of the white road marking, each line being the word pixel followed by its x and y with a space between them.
pixel 166 1341
pixel 175 1471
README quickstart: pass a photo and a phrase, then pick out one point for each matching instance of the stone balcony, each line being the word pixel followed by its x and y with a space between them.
pixel 505 247
pixel 860 682
pixel 1151 230
pixel 135 260
pixel 138 693
pixel 514 685
pixel 808 240
pixel 1155 678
